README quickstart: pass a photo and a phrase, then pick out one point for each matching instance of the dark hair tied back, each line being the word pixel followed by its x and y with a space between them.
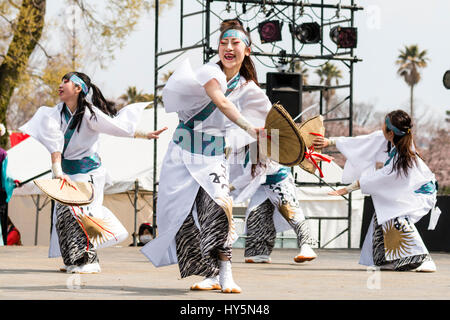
pixel 97 98
pixel 406 150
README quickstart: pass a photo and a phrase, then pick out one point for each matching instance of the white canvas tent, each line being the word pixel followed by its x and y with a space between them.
pixel 131 160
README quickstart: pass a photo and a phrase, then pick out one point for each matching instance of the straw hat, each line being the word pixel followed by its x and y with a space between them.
pixel 309 129
pixel 284 137
pixel 81 193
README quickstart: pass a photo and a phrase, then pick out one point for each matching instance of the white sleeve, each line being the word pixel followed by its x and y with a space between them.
pixel 362 153
pixel 45 128
pixel 254 105
pixel 122 125
pixel 394 195
pixel 184 90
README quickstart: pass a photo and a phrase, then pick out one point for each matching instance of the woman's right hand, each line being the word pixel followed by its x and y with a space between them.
pixel 321 142
pixel 65 179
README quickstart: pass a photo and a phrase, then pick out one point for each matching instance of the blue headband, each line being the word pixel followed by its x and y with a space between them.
pixel 397 131
pixel 236 34
pixel 75 79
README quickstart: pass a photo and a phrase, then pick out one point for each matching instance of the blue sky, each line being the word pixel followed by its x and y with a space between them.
pixel 384 27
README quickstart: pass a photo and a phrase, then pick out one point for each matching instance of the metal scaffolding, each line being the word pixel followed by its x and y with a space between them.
pixel 289 12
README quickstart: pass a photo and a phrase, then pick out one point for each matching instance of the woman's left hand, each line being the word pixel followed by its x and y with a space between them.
pixel 155 134
pixel 340 192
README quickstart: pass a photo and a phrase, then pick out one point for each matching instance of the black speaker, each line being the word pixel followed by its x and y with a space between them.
pixel 285 88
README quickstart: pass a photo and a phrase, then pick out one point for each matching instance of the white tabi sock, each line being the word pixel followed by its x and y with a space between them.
pixel 226 278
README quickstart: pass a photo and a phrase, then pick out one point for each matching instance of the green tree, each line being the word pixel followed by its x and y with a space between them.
pixel 26 31
pixel 104 26
pixel 133 95
pixel 410 60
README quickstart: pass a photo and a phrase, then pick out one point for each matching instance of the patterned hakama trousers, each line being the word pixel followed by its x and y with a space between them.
pixel 75 247
pixel 398 237
pixel 202 237
pixel 261 233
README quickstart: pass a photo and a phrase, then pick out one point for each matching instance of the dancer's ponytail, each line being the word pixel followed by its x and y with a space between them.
pixel 403 141
pixel 97 99
pixel 100 102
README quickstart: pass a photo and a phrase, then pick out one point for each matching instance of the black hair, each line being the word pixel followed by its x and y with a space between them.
pixel 98 100
pixel 248 70
pixel 145 226
pixel 406 154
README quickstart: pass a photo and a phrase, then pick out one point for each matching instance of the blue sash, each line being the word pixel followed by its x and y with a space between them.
pixel 83 165
pixel 199 142
pixel 277 177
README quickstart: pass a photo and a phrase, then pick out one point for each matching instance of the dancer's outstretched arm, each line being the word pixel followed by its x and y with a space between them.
pixel 214 91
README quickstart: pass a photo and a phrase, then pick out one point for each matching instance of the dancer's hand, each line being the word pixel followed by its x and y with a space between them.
pixel 321 142
pixel 155 134
pixel 66 180
pixel 339 192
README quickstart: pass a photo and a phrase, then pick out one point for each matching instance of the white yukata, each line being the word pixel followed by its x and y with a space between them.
pixel 399 201
pixel 194 181
pixel 80 161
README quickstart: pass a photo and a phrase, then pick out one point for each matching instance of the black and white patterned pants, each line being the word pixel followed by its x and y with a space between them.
pixel 261 231
pixel 76 249
pixel 198 249
pixel 379 253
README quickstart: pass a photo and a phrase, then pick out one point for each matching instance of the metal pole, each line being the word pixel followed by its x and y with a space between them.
pixel 136 191
pixel 207 31
pixel 36 227
pixel 320 231
pixel 350 125
pixel 155 106
pixel 181 23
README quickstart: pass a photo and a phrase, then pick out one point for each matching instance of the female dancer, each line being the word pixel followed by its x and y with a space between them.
pixel 194 209
pixel 273 208
pixel 403 190
pixel 70 131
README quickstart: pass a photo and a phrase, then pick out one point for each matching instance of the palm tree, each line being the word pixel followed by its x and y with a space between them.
pixel 132 95
pixel 410 60
pixel 327 73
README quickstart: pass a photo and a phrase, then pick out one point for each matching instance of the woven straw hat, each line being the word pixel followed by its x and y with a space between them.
pixel 309 130
pixel 285 136
pixel 81 193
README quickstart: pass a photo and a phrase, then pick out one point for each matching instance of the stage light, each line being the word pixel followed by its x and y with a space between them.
pixel 306 32
pixel 270 31
pixel 344 37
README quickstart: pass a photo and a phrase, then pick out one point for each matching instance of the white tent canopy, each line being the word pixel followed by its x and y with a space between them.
pixel 125 159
